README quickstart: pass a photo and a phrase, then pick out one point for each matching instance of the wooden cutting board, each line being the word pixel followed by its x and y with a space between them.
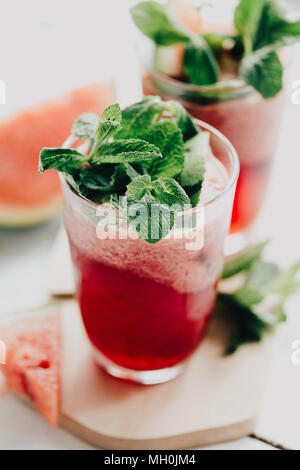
pixel 217 398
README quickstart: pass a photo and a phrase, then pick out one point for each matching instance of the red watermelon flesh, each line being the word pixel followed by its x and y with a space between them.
pixel 33 351
pixel 25 196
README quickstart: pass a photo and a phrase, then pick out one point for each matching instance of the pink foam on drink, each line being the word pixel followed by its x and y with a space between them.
pixel 168 261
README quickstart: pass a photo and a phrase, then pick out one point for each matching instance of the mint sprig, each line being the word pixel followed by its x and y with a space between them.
pixel 258 304
pixel 109 123
pixel 167 137
pixel 154 21
pixel 246 20
pixel 121 151
pixel 274 30
pixel 199 62
pixel 61 159
pixel 85 126
pixel 262 29
pixel 263 70
pixel 141 153
pixel 140 116
pixel 244 261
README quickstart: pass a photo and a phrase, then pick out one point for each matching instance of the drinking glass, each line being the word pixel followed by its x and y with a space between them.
pixel 146 307
pixel 248 120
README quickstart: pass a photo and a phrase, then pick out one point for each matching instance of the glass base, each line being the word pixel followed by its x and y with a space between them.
pixel 236 242
pixel 144 377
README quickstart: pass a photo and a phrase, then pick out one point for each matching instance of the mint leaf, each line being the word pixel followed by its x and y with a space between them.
pixel 253 307
pixel 109 123
pixel 197 150
pixel 257 284
pixel 112 113
pixel 152 19
pixel 167 138
pixel 94 179
pixel 274 29
pixel 182 119
pixel 261 274
pixel 165 191
pixel 150 219
pixel 192 176
pixel 85 126
pixel 136 153
pixel 199 63
pixel 286 283
pixel 121 151
pixel 131 172
pixel 244 260
pixel 248 296
pixel 263 70
pixel 72 180
pixel 247 327
pixel 98 182
pixel 61 159
pixel 194 193
pixel 168 191
pixel 139 186
pixel 246 20
pixel 139 116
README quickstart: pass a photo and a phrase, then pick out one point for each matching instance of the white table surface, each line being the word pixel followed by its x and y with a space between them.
pixel 23 260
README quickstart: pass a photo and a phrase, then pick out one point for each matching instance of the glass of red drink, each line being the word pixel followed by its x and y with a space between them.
pixel 145 307
pixel 248 120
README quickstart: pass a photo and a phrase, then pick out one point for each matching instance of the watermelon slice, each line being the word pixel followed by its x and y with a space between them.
pixel 27 198
pixel 33 351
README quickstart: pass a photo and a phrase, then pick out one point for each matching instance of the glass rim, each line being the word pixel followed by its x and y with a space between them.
pixel 235 169
pixel 234 85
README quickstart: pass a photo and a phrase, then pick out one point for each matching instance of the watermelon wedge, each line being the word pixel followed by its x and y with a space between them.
pixel 33 351
pixel 27 198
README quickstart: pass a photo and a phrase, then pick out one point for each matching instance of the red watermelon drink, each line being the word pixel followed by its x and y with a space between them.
pixel 146 300
pixel 228 76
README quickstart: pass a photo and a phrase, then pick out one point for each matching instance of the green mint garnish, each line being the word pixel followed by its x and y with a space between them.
pixel 246 20
pixel 182 119
pixel 85 126
pixel 197 150
pixel 263 70
pixel 141 152
pixel 262 29
pixel 199 62
pixel 139 116
pixel 259 278
pixel 61 159
pixel 122 151
pixel 274 29
pixel 150 219
pixel 139 186
pixel 109 123
pixel 167 137
pixel 243 261
pixel 168 191
pixel 152 19
pixel 258 304
pixel 286 282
